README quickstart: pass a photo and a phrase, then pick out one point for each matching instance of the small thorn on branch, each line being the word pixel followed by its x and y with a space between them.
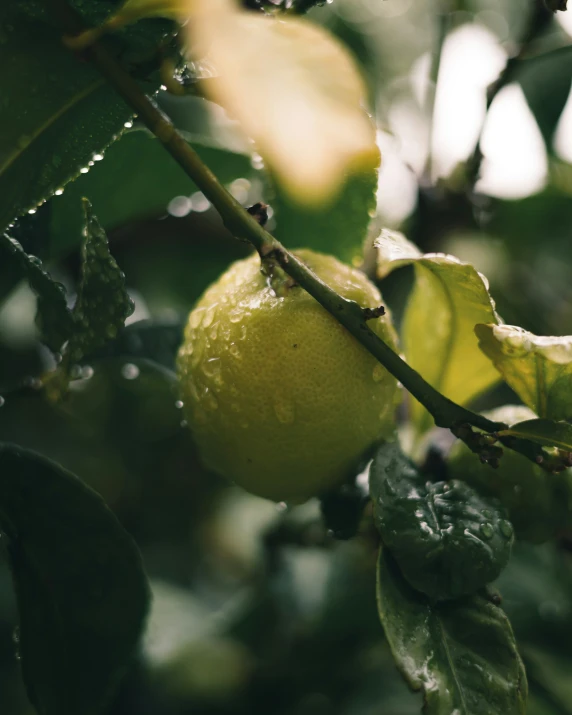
pixel 260 212
pixel 371 313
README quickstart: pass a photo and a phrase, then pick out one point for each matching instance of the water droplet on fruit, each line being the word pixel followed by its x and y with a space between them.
pixel 234 351
pixel 211 367
pixel 130 371
pixel 179 404
pixel 378 372
pixel 2 401
pixel 209 317
pixel 210 402
pixel 236 315
pixel 487 531
pixel 506 528
pixel 285 411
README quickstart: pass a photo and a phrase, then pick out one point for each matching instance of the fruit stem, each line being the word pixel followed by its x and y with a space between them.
pixel 245 226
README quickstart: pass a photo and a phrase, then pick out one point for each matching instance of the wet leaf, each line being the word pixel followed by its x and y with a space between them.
pixel 103 303
pixel 56 113
pixel 461 654
pixel 53 318
pixel 448 299
pixel 302 105
pixel 538 368
pixel 545 432
pixel 447 540
pixel 81 589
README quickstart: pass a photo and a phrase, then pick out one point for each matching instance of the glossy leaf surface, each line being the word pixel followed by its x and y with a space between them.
pixel 103 303
pixel 57 113
pixel 461 654
pixel 447 540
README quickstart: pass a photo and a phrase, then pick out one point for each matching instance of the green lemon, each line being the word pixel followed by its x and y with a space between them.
pixel 539 502
pixel 281 398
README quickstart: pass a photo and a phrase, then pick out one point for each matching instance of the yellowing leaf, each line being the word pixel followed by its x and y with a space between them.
pixel 295 91
pixel 538 368
pixel 449 298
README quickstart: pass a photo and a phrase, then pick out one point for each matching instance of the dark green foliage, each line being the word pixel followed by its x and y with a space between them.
pixel 158 342
pixel 53 318
pixel 339 229
pixel 48 134
pixel 56 112
pixel 343 509
pixel 447 540
pixel 103 303
pixel 82 593
pixel 462 654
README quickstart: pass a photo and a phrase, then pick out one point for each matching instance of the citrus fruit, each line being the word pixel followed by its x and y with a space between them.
pixel 538 501
pixel 281 398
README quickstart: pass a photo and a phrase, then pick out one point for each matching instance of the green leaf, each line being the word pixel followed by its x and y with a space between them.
pixel 137 179
pixel 538 368
pixel 546 432
pixel 447 540
pixel 545 81
pixel 339 229
pixel 461 654
pixel 448 299
pixel 56 113
pixel 103 303
pixel 53 317
pixel 81 589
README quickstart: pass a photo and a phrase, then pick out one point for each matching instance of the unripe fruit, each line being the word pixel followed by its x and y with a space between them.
pixel 280 397
pixel 539 502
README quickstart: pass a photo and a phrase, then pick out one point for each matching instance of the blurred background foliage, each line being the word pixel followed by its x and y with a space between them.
pixel 258 608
